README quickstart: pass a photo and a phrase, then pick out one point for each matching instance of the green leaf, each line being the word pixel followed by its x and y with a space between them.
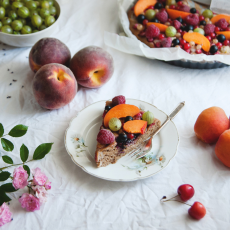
pixel 4 175
pixel 8 187
pixel 18 131
pixel 27 169
pixel 1 130
pixel 7 160
pixel 7 145
pixel 42 150
pixel 24 153
pixel 3 197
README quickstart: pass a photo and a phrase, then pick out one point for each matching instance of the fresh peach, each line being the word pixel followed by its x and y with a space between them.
pixel 54 86
pixel 222 148
pixel 47 51
pixel 92 66
pixel 210 124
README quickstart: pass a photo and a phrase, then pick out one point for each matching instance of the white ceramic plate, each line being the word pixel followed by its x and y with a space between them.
pixel 80 143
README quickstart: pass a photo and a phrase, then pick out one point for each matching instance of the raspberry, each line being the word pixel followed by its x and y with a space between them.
pixel 222 23
pixel 209 28
pixel 176 24
pixel 152 32
pixel 118 100
pixel 162 16
pixel 166 42
pixel 105 137
pixel 192 19
pixel 184 8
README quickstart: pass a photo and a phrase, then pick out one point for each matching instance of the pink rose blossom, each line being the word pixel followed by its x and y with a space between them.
pixel 20 177
pixel 5 214
pixel 39 177
pixel 48 185
pixel 40 193
pixel 29 202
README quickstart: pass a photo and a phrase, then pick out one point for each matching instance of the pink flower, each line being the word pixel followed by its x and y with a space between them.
pixel 39 177
pixel 29 202
pixel 5 214
pixel 40 193
pixel 20 177
pixel 48 185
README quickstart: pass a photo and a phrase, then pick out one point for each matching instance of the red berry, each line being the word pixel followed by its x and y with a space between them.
pixel 201 18
pixel 196 27
pixel 226 43
pixel 180 3
pixel 198 51
pixel 212 35
pixel 161 36
pixel 219 45
pixel 188 51
pixel 179 31
pixel 227 29
pixel 187 46
pixel 130 136
pixel 185 191
pixel 172 7
pixel 152 31
pixel 158 44
pixel 197 211
pixel 118 100
pixel 209 38
pixel 182 42
pixel 183 33
pixel 142 34
pixel 169 20
pixel 145 22
pixel 151 7
pixel 177 8
pixel 217 29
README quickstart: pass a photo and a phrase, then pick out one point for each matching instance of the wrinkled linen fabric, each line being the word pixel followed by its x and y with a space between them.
pixel 80 201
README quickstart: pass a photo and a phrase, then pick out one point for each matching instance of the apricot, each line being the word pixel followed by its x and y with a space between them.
pixel 135 126
pixel 122 110
pixel 173 14
pixel 210 124
pixel 141 5
pixel 225 33
pixel 160 26
pixel 220 16
pixel 222 149
pixel 47 51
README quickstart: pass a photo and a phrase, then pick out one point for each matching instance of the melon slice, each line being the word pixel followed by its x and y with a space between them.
pixel 225 33
pixel 161 27
pixel 120 111
pixel 173 14
pixel 141 5
pixel 198 39
pixel 135 126
pixel 220 16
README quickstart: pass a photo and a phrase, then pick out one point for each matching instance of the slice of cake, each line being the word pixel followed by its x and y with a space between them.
pixel 125 129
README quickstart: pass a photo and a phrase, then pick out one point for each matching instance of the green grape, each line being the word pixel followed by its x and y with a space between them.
pixel 16 32
pixel 0 24
pixel 33 12
pixel 12 14
pixel 49 20
pixel 4 3
pixel 42 27
pixel 44 13
pixel 31 5
pixel 149 117
pixel 16 25
pixel 45 4
pixel 26 30
pixel 35 31
pixel 115 124
pixel 36 21
pixel 16 5
pixel 51 2
pixel 53 10
pixel 2 12
pixel 7 29
pixel 6 21
pixel 23 12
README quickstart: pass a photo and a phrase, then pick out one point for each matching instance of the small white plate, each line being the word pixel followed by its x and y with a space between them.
pixel 80 143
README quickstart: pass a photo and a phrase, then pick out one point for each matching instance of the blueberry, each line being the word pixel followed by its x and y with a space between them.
pixel 189 27
pixel 221 38
pixel 203 23
pixel 213 49
pixel 193 10
pixel 158 6
pixel 182 27
pixel 128 118
pixel 107 108
pixel 141 18
pixel 179 20
pixel 175 42
pixel 154 20
pixel 122 137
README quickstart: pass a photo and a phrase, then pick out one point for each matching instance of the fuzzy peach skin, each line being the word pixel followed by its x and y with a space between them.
pixel 210 124
pixel 92 66
pixel 54 86
pixel 222 148
pixel 47 51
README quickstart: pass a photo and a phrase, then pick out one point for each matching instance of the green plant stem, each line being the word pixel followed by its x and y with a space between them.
pixel 15 165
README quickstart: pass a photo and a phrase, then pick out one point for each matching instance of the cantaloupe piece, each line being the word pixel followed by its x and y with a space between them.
pixel 198 39
pixel 220 16
pixel 173 14
pixel 119 111
pixel 161 27
pixel 225 33
pixel 141 5
pixel 135 126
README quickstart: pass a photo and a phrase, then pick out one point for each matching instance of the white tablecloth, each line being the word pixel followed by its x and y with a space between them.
pixel 80 201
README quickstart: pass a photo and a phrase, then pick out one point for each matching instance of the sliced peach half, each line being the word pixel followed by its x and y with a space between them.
pixel 141 5
pixel 161 27
pixel 225 33
pixel 220 16
pixel 120 111
pixel 135 126
pixel 173 14
pixel 198 39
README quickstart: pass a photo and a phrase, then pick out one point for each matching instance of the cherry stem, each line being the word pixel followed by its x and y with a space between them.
pixel 171 199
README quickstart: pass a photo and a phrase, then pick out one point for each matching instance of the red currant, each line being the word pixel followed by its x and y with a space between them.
pixel 188 51
pixel 209 38
pixel 195 27
pixel 212 35
pixel 161 36
pixel 198 51
pixel 177 8
pixel 182 42
pixel 185 191
pixel 227 29
pixel 217 29
pixel 219 45
pixel 172 7
pixel 130 136
pixel 145 22
pixel 201 18
pixel 226 42
pixel 187 46
pixel 151 7
pixel 179 31
pixel 197 211
pixel 180 3
pixel 183 33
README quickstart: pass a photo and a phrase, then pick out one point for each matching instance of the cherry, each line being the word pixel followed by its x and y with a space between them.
pixel 197 211
pixel 186 192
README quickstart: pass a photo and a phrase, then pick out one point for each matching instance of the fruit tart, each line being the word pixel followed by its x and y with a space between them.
pixel 125 129
pixel 173 23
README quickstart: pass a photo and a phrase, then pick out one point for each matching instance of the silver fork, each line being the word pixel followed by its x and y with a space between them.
pixel 139 153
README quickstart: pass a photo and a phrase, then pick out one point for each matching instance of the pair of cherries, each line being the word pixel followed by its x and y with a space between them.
pixel 186 192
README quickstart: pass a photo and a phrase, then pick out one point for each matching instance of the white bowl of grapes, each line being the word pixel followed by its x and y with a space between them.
pixel 24 22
